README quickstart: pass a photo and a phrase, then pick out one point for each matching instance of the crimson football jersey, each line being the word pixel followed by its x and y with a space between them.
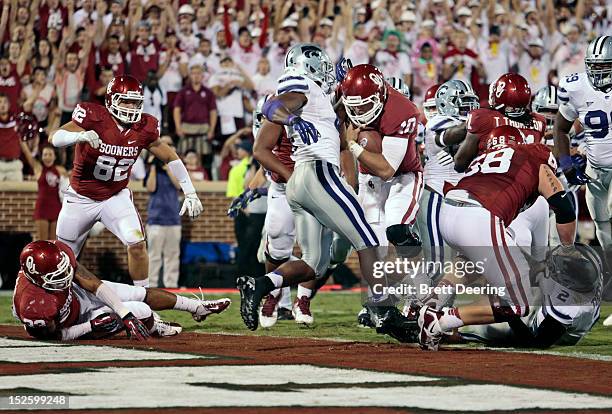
pixel 35 306
pixel 103 172
pixel 399 119
pixel 283 151
pixel 482 121
pixel 505 179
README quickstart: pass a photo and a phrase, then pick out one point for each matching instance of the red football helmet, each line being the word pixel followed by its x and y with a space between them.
pixel 504 135
pixel 27 126
pixel 125 89
pixel 429 102
pixel 46 265
pixel 510 94
pixel 364 91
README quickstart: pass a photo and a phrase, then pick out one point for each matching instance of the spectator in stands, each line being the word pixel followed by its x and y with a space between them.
pixel 496 51
pixel 11 145
pixel 39 97
pixel 163 222
pixel 534 64
pixel 155 100
pixel 44 58
pixel 144 52
pixel 48 204
pixel 195 114
pixel 459 61
pixel 99 93
pixel 110 54
pixel 263 80
pixel 193 164
pixel 427 69
pixel 10 85
pixel 172 68
pixel 392 61
pixel 569 57
pixel 205 58
pixel 230 84
pixel 186 36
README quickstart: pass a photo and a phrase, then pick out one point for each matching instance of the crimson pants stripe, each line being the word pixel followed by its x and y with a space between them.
pixel 500 262
pixel 513 265
pixel 416 193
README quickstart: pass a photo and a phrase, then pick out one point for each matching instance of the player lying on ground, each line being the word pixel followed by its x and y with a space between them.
pixel 57 298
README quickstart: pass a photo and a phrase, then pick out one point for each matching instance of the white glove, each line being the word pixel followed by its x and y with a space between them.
pixel 89 137
pixel 444 158
pixel 192 205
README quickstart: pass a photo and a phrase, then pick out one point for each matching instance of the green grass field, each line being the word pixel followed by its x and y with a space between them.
pixel 335 316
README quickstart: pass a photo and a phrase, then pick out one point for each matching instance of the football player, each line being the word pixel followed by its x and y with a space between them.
pixel 57 298
pixel 454 101
pixel 320 198
pixel 429 102
pixel 570 292
pixel 477 211
pixel 108 142
pixel 586 96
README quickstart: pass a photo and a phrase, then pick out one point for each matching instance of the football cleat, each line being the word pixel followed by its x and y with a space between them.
pixel 608 321
pixel 163 328
pixel 249 301
pixel 430 332
pixel 364 319
pixel 301 311
pixel 208 307
pixel 284 314
pixel 268 313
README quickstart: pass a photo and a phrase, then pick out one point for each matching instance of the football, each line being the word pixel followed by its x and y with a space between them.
pixel 371 140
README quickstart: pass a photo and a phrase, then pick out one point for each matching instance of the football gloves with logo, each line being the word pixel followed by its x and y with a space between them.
pixel 89 137
pixel 192 205
pixel 574 169
pixel 306 130
pixel 244 199
pixel 135 328
pixel 342 68
pixel 105 325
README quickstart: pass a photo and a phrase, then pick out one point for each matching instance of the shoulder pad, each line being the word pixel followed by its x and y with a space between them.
pixel 442 122
pixel 293 82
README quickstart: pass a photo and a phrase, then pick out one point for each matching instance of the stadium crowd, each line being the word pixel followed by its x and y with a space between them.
pixel 205 63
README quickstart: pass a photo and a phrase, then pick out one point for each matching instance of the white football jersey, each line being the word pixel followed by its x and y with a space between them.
pixel 578 99
pixel 320 112
pixel 435 174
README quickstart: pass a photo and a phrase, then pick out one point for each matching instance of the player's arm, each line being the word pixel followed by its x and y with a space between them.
pixel 348 166
pixel 285 108
pixel 192 204
pixel 258 180
pixel 551 188
pixel 385 164
pixel 266 140
pixel 451 136
pixel 466 153
pixel 71 133
pixel 561 136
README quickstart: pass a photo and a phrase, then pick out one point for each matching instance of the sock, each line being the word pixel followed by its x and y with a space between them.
pixel 285 300
pixel 450 319
pixel 265 284
pixel 143 283
pixel 186 304
pixel 277 280
pixel 302 291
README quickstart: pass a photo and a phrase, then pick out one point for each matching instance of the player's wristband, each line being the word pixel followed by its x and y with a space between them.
pixel 177 168
pixel 355 149
pixel 109 297
pixel 62 138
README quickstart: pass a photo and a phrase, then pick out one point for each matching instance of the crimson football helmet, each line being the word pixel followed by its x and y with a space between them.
pixel 504 135
pixel 510 94
pixel 429 102
pixel 125 89
pixel 46 265
pixel 364 92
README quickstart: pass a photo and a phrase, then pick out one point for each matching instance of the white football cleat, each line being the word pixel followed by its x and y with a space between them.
pixel 268 313
pixel 430 332
pixel 208 307
pixel 608 321
pixel 163 328
pixel 301 311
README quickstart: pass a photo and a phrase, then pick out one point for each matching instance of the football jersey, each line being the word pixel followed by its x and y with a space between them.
pixel 579 100
pixel 400 119
pixel 320 112
pixel 435 174
pixel 482 121
pixel 103 172
pixel 505 179
pixel 35 306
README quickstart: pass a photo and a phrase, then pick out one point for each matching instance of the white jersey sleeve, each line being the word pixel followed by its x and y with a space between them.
pixel 567 94
pixel 435 174
pixel 292 82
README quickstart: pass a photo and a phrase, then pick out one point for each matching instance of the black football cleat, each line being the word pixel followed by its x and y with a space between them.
pixel 389 321
pixel 285 314
pixel 249 302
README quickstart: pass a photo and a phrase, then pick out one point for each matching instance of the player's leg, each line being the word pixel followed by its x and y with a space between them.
pixel 372 194
pixel 172 253
pixel 401 210
pixel 121 218
pixel 155 243
pixel 279 226
pixel 599 202
pixel 52 230
pixel 76 218
pixel 42 230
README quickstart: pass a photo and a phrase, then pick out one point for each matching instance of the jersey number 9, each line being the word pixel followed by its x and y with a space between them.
pixel 598 123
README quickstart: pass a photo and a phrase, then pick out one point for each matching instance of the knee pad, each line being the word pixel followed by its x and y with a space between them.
pixel 401 235
pixel 279 248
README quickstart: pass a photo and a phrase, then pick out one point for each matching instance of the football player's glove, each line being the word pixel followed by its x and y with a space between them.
pixel 306 129
pixel 89 137
pixel 135 328
pixel 574 169
pixel 105 325
pixel 342 67
pixel 244 199
pixel 192 205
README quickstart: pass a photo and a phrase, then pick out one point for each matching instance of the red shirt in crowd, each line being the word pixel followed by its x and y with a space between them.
pixel 9 140
pixel 116 61
pixel 11 86
pixel 143 58
pixel 195 106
